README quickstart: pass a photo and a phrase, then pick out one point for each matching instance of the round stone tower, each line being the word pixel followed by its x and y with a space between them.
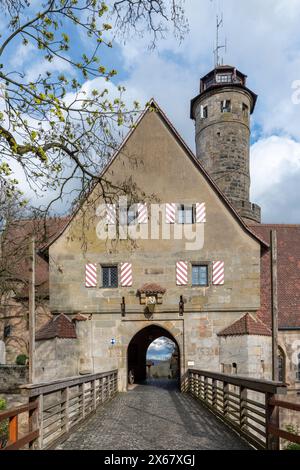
pixel 222 115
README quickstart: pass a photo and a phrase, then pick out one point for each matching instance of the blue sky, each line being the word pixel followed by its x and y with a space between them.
pixel 263 42
pixel 161 348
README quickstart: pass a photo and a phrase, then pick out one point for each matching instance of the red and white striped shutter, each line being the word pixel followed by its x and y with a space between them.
pixel 126 274
pixel 181 273
pixel 111 216
pixel 200 213
pixel 171 213
pixel 91 275
pixel 218 273
pixel 142 214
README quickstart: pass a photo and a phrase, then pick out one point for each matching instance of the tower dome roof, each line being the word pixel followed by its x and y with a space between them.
pixel 223 76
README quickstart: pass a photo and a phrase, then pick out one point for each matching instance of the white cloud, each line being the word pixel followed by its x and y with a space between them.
pixel 263 41
pixel 275 172
pixel 22 55
pixel 163 345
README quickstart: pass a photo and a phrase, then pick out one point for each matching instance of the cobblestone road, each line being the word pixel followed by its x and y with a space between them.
pixel 154 416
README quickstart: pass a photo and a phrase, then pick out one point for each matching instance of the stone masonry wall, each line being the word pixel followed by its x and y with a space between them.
pixel 223 145
pixel 165 170
pixel 251 354
pixel 56 359
pixel 11 377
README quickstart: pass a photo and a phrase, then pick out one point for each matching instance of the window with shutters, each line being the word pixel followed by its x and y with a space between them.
pixel 186 214
pixel 110 276
pixel 200 275
pixel 226 106
pixel 129 215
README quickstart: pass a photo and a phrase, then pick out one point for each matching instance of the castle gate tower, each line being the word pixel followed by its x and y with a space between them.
pixel 222 117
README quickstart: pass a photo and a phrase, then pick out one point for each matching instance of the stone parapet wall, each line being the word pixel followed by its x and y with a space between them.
pixel 11 377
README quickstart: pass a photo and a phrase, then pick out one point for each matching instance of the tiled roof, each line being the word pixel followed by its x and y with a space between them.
pixel 79 317
pixel 151 289
pixel 58 327
pixel 288 241
pixel 247 325
pixel 16 241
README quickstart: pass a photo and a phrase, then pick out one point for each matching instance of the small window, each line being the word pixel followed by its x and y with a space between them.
pixel 200 275
pixel 281 365
pixel 186 214
pixel 226 106
pixel 109 276
pixel 7 331
pixel 129 215
pixel 204 112
pixel 245 110
pixel 224 78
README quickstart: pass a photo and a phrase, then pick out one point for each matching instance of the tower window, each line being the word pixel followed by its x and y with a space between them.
pixel 226 106
pixel 224 78
pixel 245 110
pixel 204 112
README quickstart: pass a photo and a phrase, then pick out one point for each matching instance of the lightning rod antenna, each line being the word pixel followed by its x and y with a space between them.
pixel 217 56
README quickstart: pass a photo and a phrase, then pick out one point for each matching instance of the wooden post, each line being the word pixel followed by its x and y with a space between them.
pixel 40 419
pixel 197 385
pixel 34 421
pixel 272 419
pixel 94 396
pixel 214 393
pixel 243 403
pixel 65 398
pixel 31 298
pixel 82 396
pixel 206 389
pixel 274 290
pixel 13 429
pixel 225 398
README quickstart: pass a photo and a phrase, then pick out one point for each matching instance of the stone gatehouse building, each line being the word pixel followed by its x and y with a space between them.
pixel 200 275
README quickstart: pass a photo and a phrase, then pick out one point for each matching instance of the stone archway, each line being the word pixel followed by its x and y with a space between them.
pixel 138 346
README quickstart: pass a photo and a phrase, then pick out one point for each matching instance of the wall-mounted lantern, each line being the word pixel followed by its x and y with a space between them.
pixel 181 306
pixel 123 307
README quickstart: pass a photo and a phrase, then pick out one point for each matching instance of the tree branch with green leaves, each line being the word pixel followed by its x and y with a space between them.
pixel 61 120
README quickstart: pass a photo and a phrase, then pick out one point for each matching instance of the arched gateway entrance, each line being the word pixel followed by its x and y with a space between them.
pixel 137 351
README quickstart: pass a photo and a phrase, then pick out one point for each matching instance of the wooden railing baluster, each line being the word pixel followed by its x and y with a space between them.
pixel 254 419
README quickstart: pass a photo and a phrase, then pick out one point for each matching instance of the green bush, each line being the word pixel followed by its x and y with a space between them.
pixel 293 430
pixel 3 425
pixel 21 360
pixel 293 447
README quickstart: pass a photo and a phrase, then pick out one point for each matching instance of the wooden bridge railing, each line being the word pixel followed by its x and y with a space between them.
pixel 57 408
pixel 248 405
pixel 10 438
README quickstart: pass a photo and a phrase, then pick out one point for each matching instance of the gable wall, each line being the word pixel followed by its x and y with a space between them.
pixel 158 165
